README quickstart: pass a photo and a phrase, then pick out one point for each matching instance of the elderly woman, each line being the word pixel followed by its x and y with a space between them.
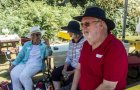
pixel 29 61
pixel 73 54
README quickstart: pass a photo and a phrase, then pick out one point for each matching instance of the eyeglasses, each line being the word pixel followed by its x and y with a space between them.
pixel 87 24
pixel 36 34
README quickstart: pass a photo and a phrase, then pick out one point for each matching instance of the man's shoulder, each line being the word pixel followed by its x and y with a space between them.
pixel 114 41
pixel 86 43
pixel 115 45
pixel 112 44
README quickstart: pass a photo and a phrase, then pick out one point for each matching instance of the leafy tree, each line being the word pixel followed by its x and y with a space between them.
pixel 19 18
pixel 19 15
pixel 115 11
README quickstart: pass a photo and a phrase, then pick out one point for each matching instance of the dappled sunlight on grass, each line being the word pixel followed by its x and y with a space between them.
pixel 4 65
pixel 4 75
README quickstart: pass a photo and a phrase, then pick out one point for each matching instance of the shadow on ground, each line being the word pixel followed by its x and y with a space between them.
pixel 2 59
pixel 4 74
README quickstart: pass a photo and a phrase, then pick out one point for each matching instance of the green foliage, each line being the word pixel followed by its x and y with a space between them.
pixel 74 3
pixel 19 15
pixel 19 18
pixel 115 11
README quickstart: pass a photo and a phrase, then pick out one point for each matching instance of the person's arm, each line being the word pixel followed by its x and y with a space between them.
pixel 71 72
pixel 47 41
pixel 65 68
pixel 107 85
pixel 49 51
pixel 68 57
pixel 115 68
pixel 48 47
pixel 76 78
pixel 20 56
pixel 10 68
pixel 18 59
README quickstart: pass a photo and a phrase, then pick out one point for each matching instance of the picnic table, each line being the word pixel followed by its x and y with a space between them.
pixel 7 41
pixel 136 45
pixel 132 40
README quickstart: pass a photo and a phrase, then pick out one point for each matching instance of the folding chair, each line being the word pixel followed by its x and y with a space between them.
pixel 8 57
pixel 46 77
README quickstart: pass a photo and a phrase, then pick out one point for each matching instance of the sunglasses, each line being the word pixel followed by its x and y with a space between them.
pixel 36 34
pixel 87 24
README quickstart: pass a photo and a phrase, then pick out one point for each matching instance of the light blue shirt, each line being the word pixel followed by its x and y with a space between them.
pixel 23 55
pixel 34 57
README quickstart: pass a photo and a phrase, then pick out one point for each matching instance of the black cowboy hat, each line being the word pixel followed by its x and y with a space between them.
pixel 97 13
pixel 73 27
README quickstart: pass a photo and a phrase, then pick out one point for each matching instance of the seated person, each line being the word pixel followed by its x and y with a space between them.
pixel 27 38
pixel 73 55
pixel 29 61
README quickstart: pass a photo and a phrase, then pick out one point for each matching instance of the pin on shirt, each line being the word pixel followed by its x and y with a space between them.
pixel 99 55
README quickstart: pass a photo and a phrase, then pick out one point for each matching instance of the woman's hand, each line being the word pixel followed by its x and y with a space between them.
pixel 70 72
pixel 64 71
pixel 47 41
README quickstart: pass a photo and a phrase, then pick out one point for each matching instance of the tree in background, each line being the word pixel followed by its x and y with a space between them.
pixel 115 11
pixel 19 15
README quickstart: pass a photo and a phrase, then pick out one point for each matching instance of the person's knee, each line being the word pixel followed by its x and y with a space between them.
pixel 24 77
pixel 54 75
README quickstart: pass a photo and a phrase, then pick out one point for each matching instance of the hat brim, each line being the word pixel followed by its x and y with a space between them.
pixel 29 34
pixel 110 24
pixel 71 30
pixel 65 28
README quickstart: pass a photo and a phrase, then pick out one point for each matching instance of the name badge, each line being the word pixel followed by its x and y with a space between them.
pixel 99 55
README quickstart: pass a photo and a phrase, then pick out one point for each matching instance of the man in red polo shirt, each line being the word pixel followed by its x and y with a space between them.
pixel 103 63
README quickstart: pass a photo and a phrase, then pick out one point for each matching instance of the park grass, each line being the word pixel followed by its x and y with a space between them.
pixel 4 65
